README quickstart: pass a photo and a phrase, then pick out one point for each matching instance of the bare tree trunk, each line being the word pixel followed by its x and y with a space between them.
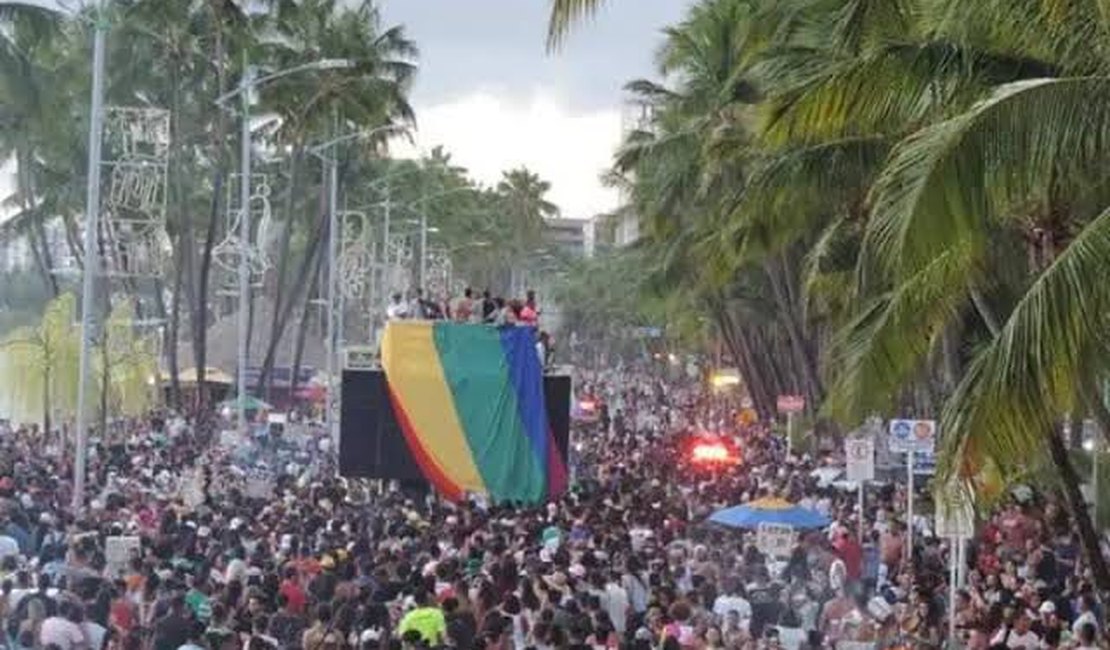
pixel 319 233
pixel 283 255
pixel 287 233
pixel 298 351
pixel 72 241
pixel 43 258
pixel 735 341
pixel 219 142
pixel 46 401
pixel 802 353
pixel 1077 507
pixel 44 269
pixel 169 338
pixel 183 250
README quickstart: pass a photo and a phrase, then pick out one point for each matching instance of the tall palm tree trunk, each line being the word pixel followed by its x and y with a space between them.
pixel 283 255
pixel 302 331
pixel 43 258
pixel 800 346
pixel 304 275
pixel 1077 507
pixel 219 143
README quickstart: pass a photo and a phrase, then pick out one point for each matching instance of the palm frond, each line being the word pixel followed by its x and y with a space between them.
pixel 564 13
pixel 1020 385
pixel 886 343
pixel 950 181
pixel 790 190
pixel 820 96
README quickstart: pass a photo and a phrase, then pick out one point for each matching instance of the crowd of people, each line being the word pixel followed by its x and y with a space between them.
pixel 256 544
pixel 471 308
pixel 467 308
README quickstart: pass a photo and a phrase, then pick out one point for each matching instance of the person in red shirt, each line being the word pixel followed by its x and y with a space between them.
pixel 850 553
pixel 295 598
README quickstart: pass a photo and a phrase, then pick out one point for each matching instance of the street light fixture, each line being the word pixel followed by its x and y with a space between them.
pixel 92 215
pixel 247 83
pixel 332 172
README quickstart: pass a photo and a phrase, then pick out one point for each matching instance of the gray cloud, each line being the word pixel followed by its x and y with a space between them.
pixel 498 46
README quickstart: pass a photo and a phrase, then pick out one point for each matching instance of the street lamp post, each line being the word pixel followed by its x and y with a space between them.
pixel 248 82
pixel 331 168
pixel 1091 446
pixel 244 243
pixel 92 262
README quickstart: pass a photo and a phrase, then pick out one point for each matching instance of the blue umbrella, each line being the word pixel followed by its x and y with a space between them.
pixel 769 511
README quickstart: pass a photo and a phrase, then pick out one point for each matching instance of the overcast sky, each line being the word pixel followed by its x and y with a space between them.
pixel 489 92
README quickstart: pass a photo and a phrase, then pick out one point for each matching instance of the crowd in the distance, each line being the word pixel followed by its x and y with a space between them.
pixel 471 308
pixel 623 560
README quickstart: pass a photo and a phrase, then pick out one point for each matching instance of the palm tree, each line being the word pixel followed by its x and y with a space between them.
pixel 371 94
pixel 38 365
pixel 524 197
pixel 564 13
pixel 916 194
pixel 29 94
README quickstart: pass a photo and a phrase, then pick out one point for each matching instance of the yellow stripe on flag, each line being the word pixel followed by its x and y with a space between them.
pixel 416 377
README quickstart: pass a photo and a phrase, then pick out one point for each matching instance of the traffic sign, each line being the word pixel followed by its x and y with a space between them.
pixel 861 459
pixel 955 515
pixel 913 435
pixel 776 540
pixel 791 403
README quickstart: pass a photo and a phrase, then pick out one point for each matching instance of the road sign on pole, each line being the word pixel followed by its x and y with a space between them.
pixel 913 435
pixel 861 459
pixel 791 403
pixel 776 540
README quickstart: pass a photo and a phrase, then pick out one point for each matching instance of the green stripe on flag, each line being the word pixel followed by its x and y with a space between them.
pixel 478 376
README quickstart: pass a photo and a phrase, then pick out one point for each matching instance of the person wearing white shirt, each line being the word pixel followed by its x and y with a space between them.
pixel 732 601
pixel 95 633
pixel 8 546
pixel 397 309
pixel 1086 636
pixel 62 631
pixel 616 603
pixel 1086 615
pixel 1019 636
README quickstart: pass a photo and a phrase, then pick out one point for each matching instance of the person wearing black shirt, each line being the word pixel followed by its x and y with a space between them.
pixel 461 626
pixel 489 307
pixel 175 628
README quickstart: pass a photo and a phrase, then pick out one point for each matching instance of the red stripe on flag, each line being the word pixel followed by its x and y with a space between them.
pixel 440 481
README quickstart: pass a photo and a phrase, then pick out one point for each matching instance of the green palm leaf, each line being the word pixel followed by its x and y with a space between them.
pixel 887 342
pixel 1020 385
pixel 948 183
pixel 564 13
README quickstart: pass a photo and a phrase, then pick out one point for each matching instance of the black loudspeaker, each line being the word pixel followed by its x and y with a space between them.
pixel 371 444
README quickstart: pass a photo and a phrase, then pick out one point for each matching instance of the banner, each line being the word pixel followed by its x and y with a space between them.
pixel 776 540
pixel 860 454
pixel 791 403
pixel 913 435
pixel 118 552
pixel 471 406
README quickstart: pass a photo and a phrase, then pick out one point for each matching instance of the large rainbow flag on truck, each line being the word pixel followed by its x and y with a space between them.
pixel 469 400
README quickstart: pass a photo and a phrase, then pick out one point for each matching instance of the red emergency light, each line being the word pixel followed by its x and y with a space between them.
pixel 712 453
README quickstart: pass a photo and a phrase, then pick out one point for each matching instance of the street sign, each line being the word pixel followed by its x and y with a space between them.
pixel 924 463
pixel 776 540
pixel 791 403
pixel 955 515
pixel 118 551
pixel 913 435
pixel 861 459
pixel 361 357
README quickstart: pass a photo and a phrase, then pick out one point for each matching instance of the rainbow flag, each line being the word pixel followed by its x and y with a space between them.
pixel 470 402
